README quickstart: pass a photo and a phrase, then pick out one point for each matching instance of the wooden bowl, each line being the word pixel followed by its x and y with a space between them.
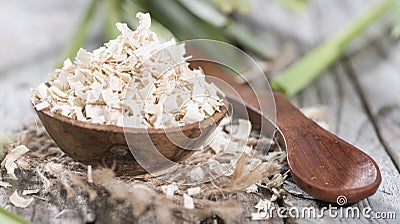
pixel 106 145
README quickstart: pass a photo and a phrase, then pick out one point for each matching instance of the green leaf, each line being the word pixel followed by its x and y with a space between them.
pixel 229 6
pixel 130 9
pixel 180 21
pixel 10 218
pixel 113 12
pixel 293 5
pixel 240 34
pixel 185 26
pixel 305 70
pixel 205 11
pixel 396 20
pixel 80 34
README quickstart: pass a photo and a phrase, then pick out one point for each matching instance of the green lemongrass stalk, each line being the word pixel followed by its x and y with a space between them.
pixel 180 21
pixel 396 18
pixel 293 5
pixel 229 6
pixel 230 27
pixel 130 8
pixel 205 11
pixel 185 26
pixel 10 218
pixel 113 12
pixel 248 41
pixel 305 70
pixel 81 33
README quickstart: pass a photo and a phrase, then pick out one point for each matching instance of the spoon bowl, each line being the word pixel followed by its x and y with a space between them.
pixel 106 145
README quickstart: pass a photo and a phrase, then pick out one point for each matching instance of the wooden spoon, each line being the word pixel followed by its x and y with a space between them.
pixel 321 163
pixel 106 145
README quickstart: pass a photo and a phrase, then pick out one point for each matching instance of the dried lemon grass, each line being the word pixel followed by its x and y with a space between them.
pixel 133 81
pixel 210 198
pixel 243 177
pixel 4 141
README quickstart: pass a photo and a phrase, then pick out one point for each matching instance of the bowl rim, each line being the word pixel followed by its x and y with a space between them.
pixel 218 116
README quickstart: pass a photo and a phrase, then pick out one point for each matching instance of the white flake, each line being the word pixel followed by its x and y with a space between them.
pixel 193 191
pixel 5 184
pixel 11 157
pixel 188 201
pixel 196 174
pixel 252 189
pixel 28 192
pixel 19 201
pixel 169 190
pixel 243 131
pixel 192 114
pixel 90 174
pixel 43 105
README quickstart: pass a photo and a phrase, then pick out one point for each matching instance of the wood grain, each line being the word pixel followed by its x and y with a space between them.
pixel 321 163
pixel 20 71
pixel 348 117
pixel 349 120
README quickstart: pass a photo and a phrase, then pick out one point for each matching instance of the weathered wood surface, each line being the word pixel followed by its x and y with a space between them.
pixel 361 91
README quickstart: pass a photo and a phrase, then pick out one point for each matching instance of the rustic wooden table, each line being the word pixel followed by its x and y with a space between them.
pixel 361 90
